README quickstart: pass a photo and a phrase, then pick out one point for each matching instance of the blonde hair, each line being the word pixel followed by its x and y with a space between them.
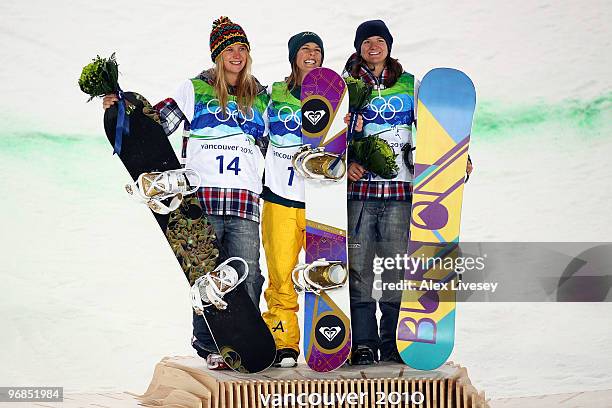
pixel 246 86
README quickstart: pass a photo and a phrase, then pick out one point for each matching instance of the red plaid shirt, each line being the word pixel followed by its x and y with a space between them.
pixel 229 201
pixel 214 200
pixel 380 190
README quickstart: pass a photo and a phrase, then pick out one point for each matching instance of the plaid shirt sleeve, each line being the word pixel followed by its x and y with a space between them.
pixel 170 115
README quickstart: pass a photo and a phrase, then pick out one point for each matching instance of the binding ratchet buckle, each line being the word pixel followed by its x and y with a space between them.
pixel 319 275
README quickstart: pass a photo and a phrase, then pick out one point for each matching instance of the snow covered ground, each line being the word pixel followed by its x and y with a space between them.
pixel 91 301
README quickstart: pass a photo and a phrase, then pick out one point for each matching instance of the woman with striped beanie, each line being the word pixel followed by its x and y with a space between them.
pixel 223 112
pixel 225 107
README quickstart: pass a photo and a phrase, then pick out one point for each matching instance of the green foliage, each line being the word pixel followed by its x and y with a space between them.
pixel 100 77
pixel 376 155
pixel 359 93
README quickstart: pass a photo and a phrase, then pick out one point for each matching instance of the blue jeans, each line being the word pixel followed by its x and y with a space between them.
pixel 384 233
pixel 238 237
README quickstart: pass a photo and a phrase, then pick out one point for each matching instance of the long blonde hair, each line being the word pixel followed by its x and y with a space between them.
pixel 246 86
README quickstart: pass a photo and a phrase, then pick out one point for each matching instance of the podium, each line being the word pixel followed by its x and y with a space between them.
pixel 185 382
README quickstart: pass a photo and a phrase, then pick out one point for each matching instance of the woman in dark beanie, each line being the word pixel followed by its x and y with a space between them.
pixel 379 209
pixel 283 219
pixel 223 111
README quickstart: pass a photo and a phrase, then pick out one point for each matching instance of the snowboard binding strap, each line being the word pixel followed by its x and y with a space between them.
pixel 152 188
pixel 210 289
pixel 319 275
pixel 318 164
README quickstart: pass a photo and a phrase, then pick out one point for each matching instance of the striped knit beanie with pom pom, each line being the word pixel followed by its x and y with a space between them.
pixel 225 33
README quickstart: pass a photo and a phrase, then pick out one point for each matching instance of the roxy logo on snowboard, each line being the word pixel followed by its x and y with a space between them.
pixel 330 332
pixel 316 112
pixel 314 117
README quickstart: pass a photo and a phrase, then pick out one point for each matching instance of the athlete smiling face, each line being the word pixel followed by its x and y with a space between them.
pixel 374 52
pixel 234 60
pixel 308 57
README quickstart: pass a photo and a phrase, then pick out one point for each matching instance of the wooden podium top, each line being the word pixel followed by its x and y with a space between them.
pixel 303 372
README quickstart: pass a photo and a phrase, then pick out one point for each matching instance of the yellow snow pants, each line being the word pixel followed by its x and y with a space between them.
pixel 283 233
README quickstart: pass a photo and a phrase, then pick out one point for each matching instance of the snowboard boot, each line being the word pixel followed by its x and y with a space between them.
pixel 153 188
pixel 286 358
pixel 362 355
pixel 393 357
pixel 214 361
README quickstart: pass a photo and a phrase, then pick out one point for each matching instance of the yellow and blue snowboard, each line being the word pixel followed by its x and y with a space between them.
pixel 426 322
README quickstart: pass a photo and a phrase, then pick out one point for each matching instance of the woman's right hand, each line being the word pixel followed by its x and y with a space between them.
pixel 109 100
pixel 355 171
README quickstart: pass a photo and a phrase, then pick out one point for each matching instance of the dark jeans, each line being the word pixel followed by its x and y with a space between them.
pixel 384 233
pixel 238 237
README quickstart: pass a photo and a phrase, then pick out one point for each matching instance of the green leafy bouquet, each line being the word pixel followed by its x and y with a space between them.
pixel 359 96
pixel 359 93
pixel 100 77
pixel 372 152
pixel 376 155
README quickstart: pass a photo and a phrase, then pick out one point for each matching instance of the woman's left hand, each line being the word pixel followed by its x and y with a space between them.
pixel 358 125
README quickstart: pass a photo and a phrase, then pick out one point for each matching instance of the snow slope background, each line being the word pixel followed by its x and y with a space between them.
pixel 92 297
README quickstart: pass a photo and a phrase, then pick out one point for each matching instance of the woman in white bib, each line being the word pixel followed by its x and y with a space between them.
pixel 379 209
pixel 223 111
pixel 283 219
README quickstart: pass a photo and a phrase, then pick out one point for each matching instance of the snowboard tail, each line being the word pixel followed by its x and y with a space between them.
pixel 426 322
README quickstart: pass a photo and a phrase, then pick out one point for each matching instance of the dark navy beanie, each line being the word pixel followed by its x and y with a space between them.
pixel 296 42
pixel 371 28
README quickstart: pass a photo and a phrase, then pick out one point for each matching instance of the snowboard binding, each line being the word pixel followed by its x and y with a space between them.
pixel 318 164
pixel 320 275
pixel 209 290
pixel 155 187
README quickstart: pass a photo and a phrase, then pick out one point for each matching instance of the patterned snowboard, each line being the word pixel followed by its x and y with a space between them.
pixel 426 323
pixel 327 327
pixel 240 333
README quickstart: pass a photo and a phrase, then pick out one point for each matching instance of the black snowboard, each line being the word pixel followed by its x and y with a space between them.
pixel 241 335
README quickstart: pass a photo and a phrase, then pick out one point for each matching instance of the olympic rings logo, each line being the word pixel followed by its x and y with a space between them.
pixel 231 112
pixel 387 109
pixel 291 117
